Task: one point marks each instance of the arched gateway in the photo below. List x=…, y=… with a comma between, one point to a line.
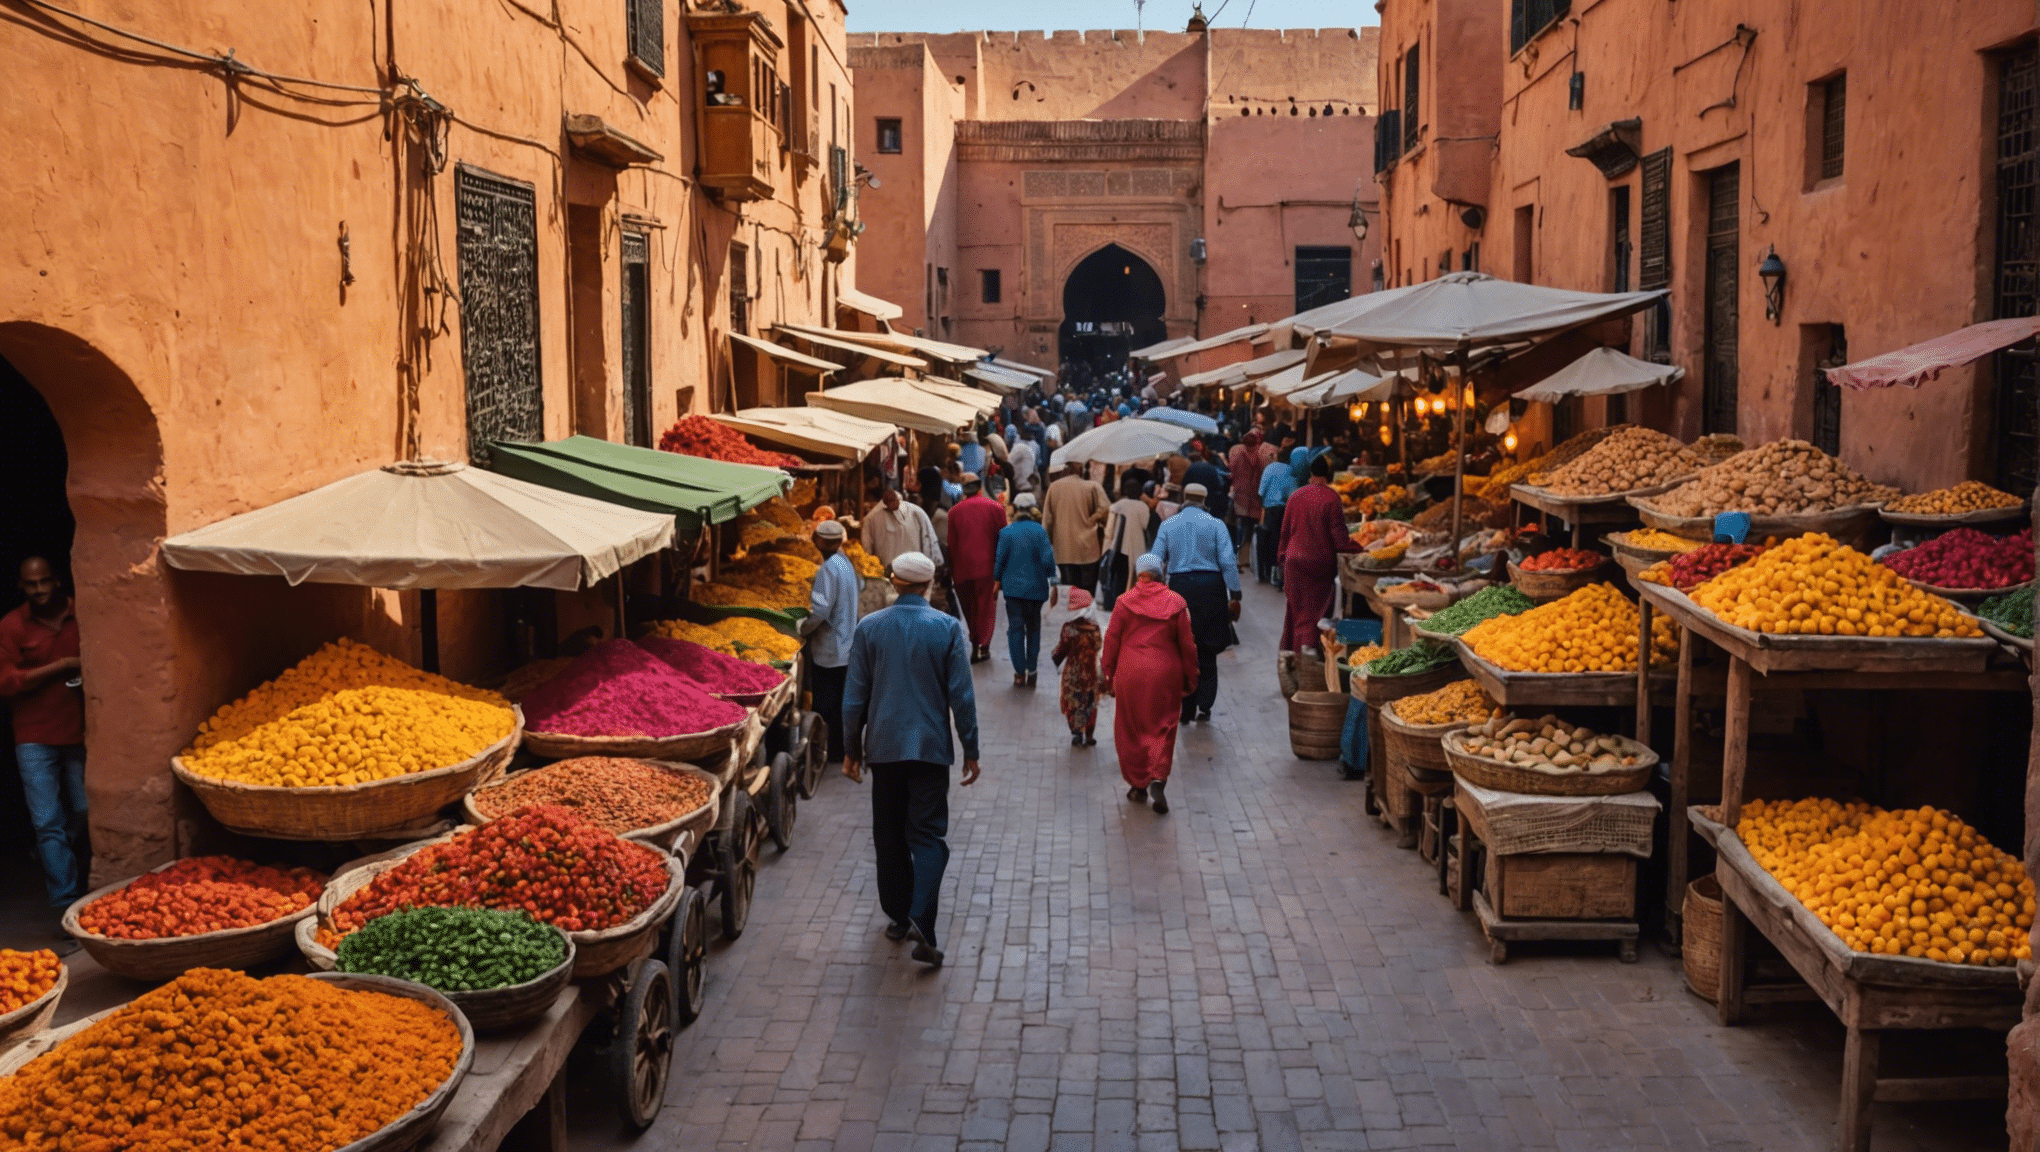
x=1113, y=302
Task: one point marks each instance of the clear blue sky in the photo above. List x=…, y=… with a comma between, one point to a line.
x=1159, y=15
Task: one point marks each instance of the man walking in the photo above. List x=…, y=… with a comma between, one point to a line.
x=896, y=526
x=1074, y=513
x=39, y=676
x=1197, y=555
x=1021, y=457
x=1246, y=462
x=974, y=527
x=909, y=674
x=1024, y=569
x=830, y=624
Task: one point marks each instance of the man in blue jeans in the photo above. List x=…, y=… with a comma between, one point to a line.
x=909, y=673
x=39, y=677
x=1023, y=568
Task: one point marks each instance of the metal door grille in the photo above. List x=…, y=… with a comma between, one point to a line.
x=498, y=253
x=637, y=340
x=1654, y=251
x=1529, y=17
x=1834, y=114
x=646, y=21
x=2017, y=287
x=1618, y=238
x=1827, y=397
x=1409, y=103
x=1724, y=186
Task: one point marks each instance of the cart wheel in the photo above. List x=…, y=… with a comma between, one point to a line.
x=782, y=801
x=685, y=950
x=739, y=849
x=1498, y=952
x=814, y=754
x=642, y=1052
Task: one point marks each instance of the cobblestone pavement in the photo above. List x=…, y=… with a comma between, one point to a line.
x=1260, y=969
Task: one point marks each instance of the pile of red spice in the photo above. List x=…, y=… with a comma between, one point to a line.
x=714, y=440
x=201, y=894
x=614, y=793
x=1689, y=570
x=1562, y=560
x=545, y=861
x=1966, y=558
x=620, y=689
x=715, y=672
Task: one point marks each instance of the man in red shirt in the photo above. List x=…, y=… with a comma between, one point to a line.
x=974, y=526
x=39, y=678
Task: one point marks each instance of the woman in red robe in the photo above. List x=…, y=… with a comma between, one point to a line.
x=1313, y=535
x=1149, y=665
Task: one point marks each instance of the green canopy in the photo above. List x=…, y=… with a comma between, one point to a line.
x=694, y=490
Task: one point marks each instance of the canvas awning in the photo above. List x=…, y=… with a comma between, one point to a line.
x=1472, y=310
x=838, y=342
x=822, y=431
x=909, y=344
x=1197, y=422
x=915, y=404
x=1161, y=351
x=1122, y=442
x=785, y=355
x=693, y=490
x=1347, y=387
x=1249, y=332
x=1234, y=375
x=428, y=524
x=868, y=304
x=999, y=379
x=1602, y=372
x=1915, y=365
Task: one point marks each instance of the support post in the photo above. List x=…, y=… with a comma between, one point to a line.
x=1735, y=741
x=428, y=629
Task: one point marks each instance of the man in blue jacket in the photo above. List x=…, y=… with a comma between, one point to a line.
x=1023, y=568
x=909, y=674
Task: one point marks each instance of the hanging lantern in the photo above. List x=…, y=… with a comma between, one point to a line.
x=1509, y=441
x=1387, y=436
x=1355, y=412
x=1469, y=395
x=1421, y=404
x=1365, y=407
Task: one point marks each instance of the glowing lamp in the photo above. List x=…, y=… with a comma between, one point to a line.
x=1509, y=441
x=1387, y=437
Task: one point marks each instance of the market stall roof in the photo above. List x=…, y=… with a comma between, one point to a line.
x=999, y=379
x=1314, y=320
x=985, y=403
x=1197, y=422
x=1021, y=366
x=1602, y=372
x=428, y=524
x=1345, y=387
x=1249, y=332
x=906, y=403
x=786, y=355
x=1278, y=385
x=691, y=489
x=1163, y=350
x=819, y=430
x=1123, y=442
x=1468, y=310
x=910, y=344
x=1922, y=362
x=870, y=305
x=1233, y=375
x=836, y=341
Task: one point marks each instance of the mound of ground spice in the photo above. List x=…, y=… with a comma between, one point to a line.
x=619, y=689
x=613, y=793
x=715, y=672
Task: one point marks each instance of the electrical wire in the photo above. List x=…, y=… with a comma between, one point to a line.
x=229, y=65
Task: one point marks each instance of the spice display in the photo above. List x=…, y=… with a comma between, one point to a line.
x=615, y=794
x=1473, y=510
x=1550, y=745
x=545, y=861
x=26, y=976
x=1422, y=656
x=868, y=566
x=1718, y=446
x=1497, y=487
x=454, y=949
x=619, y=689
x=715, y=671
x=1692, y=569
x=740, y=636
x=2011, y=611
x=1486, y=604
x=760, y=580
x=1966, y=558
x=714, y=440
x=201, y=894
x=1631, y=457
x=1387, y=554
x=692, y=633
x=1460, y=702
x=1652, y=540
x=1592, y=630
x=1357, y=656
x=798, y=546
x=1393, y=496
x=219, y=1059
x=1813, y=585
x=1562, y=560
x=1916, y=882
x=1784, y=477
x=1968, y=496
x=1381, y=533
x=347, y=714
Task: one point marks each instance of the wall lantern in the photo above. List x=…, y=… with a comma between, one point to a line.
x=1197, y=250
x=1509, y=441
x=1772, y=272
x=1357, y=221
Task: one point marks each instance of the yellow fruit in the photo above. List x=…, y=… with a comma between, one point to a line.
x=1814, y=585
x=1592, y=630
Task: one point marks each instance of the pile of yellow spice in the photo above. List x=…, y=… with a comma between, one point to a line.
x=868, y=566
x=739, y=636
x=761, y=580
x=347, y=714
x=1592, y=630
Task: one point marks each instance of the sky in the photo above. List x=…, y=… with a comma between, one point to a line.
x=1159, y=15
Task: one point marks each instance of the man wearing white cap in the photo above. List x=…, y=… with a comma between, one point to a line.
x=909, y=674
x=830, y=624
x=1197, y=554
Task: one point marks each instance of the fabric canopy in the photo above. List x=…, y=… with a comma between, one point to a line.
x=818, y=430
x=1922, y=362
x=1001, y=379
x=1468, y=310
x=691, y=489
x=1163, y=350
x=870, y=305
x=918, y=345
x=905, y=403
x=1602, y=372
x=1233, y=375
x=1347, y=387
x=1195, y=421
x=1249, y=332
x=838, y=342
x=1122, y=442
x=428, y=524
x=786, y=355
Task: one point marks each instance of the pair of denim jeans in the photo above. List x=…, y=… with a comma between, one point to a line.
x=53, y=780
x=1023, y=633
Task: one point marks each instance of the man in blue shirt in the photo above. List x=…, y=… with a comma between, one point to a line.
x=1278, y=483
x=1023, y=568
x=1198, y=557
x=909, y=673
x=831, y=622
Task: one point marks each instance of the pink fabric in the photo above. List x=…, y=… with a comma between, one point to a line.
x=1923, y=361
x=1246, y=462
x=974, y=525
x=1150, y=662
x=1313, y=535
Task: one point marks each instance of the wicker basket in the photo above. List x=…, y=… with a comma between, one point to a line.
x=1547, y=586
x=1850, y=525
x=1418, y=747
x=172, y=956
x=1316, y=722
x=1529, y=782
x=662, y=836
x=1942, y=520
x=1700, y=936
x=33, y=1016
x=347, y=811
x=693, y=746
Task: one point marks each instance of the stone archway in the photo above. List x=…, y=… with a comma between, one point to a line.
x=1112, y=302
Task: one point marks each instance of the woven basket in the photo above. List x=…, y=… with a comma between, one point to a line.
x=1547, y=586
x=347, y=811
x=1931, y=520
x=1850, y=525
x=1529, y=782
x=1316, y=722
x=758, y=699
x=1700, y=936
x=33, y=1016
x=1378, y=690
x=1418, y=747
x=172, y=956
x=661, y=836
x=693, y=746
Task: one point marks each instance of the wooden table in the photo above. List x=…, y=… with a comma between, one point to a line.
x=513, y=1073
x=1576, y=513
x=1560, y=689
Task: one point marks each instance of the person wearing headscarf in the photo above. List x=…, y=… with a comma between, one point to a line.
x=1150, y=666
x=1076, y=653
x=1313, y=535
x=1023, y=568
x=1277, y=482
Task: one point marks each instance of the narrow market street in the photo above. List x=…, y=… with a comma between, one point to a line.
x=1260, y=969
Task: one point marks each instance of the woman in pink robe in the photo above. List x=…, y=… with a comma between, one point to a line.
x=1149, y=665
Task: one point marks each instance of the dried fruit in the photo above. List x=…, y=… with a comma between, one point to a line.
x=201, y=894
x=1592, y=630
x=1966, y=558
x=714, y=440
x=1814, y=585
x=1460, y=702
x=1968, y=496
x=1562, y=560
x=1784, y=477
x=25, y=976
x=1631, y=457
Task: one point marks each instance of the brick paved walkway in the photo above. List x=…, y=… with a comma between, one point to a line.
x=1260, y=969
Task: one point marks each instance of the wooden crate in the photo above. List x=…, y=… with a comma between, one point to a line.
x=1563, y=886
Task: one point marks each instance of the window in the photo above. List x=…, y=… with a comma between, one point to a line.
x=645, y=37
x=1834, y=112
x=1526, y=227
x=1529, y=17
x=1829, y=345
x=497, y=249
x=1445, y=262
x=1409, y=103
x=2016, y=276
x=988, y=285
x=888, y=135
x=637, y=340
x=1618, y=239
x=1323, y=275
x=1723, y=287
x=1654, y=242
x=740, y=289
x=1387, y=139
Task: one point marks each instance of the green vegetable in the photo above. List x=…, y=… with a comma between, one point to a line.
x=1422, y=656
x=2011, y=611
x=454, y=949
x=1486, y=604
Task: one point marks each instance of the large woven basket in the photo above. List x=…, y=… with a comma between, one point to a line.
x=172, y=956
x=1850, y=525
x=34, y=1016
x=1700, y=936
x=1547, y=586
x=692, y=746
x=348, y=811
x=1316, y=722
x=1528, y=782
x=662, y=836
x=1418, y=747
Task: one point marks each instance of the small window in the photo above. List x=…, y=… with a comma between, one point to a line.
x=888, y=135
x=1619, y=246
x=988, y=285
x=1829, y=104
x=645, y=25
x=1323, y=275
x=740, y=288
x=1529, y=17
x=1410, y=105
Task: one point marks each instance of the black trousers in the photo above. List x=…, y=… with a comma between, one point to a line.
x=1112, y=582
x=1207, y=682
x=1265, y=548
x=827, y=686
x=1083, y=576
x=909, y=826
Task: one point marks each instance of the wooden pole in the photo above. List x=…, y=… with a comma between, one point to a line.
x=1459, y=460
x=428, y=629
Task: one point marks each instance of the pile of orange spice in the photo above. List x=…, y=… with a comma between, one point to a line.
x=201, y=894
x=218, y=1059
x=25, y=976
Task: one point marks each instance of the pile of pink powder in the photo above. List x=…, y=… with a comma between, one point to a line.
x=713, y=671
x=619, y=689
